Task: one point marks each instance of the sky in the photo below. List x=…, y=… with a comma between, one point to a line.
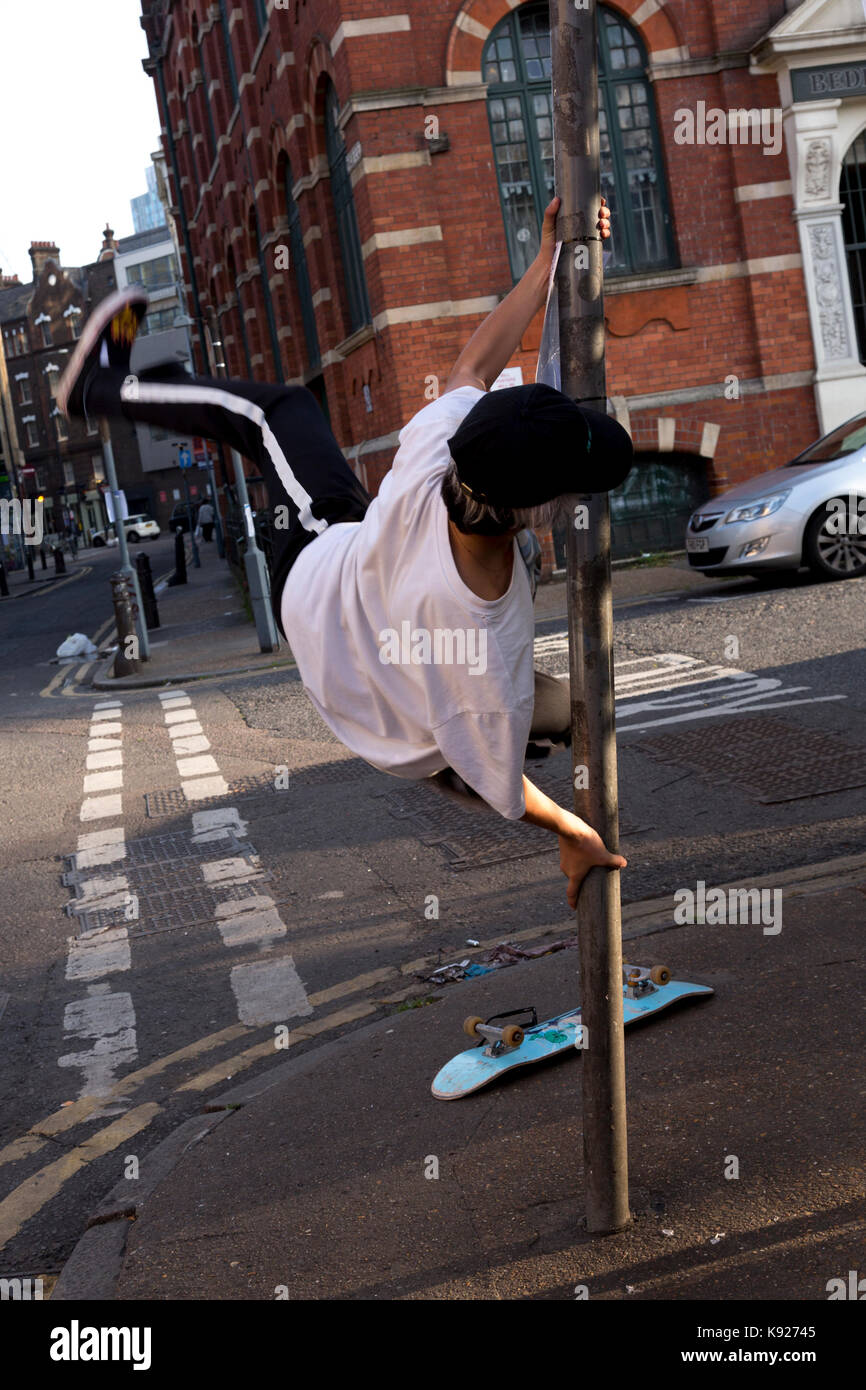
x=79, y=121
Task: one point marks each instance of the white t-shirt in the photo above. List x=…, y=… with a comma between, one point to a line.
x=408, y=667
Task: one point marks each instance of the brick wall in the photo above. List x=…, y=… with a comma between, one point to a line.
x=731, y=338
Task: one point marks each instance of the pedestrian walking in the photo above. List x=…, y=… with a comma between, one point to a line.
x=409, y=614
x=206, y=520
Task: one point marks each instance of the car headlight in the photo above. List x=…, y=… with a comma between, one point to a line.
x=760, y=507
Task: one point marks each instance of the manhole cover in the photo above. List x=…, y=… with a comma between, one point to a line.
x=773, y=760
x=473, y=839
x=160, y=850
x=172, y=892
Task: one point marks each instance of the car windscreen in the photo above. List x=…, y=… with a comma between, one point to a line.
x=847, y=439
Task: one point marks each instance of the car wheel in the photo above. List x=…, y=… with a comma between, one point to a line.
x=97, y=540
x=833, y=547
x=132, y=536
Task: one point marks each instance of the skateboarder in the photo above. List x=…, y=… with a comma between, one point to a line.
x=410, y=614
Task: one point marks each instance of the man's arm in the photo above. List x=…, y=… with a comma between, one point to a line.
x=580, y=847
x=495, y=342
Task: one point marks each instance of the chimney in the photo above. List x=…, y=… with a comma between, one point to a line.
x=110, y=247
x=6, y=280
x=40, y=252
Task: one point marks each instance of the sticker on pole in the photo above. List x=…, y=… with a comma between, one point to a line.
x=547, y=370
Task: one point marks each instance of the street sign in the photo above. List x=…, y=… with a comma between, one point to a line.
x=184, y=458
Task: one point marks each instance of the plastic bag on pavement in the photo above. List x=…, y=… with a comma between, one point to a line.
x=77, y=645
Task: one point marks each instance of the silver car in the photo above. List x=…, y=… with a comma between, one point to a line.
x=810, y=512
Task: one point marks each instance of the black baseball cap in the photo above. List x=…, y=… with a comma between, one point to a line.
x=525, y=445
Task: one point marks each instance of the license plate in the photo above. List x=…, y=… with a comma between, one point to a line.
x=694, y=543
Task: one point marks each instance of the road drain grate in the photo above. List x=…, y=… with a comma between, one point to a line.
x=474, y=839
x=773, y=760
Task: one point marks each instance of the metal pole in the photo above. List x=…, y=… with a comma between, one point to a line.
x=574, y=47
x=126, y=567
x=196, y=559
x=254, y=563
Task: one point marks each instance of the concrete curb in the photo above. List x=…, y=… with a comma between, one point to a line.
x=94, y=1267
x=101, y=682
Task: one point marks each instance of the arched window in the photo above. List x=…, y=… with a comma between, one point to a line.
x=852, y=193
x=230, y=57
x=298, y=261
x=515, y=65
x=261, y=10
x=196, y=41
x=346, y=217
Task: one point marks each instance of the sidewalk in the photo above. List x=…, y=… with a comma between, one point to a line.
x=205, y=630
x=339, y=1176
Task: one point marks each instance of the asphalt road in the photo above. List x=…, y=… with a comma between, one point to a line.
x=739, y=717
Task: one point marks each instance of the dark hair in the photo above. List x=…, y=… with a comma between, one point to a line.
x=476, y=518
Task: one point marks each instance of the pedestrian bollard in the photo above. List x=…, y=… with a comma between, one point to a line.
x=145, y=584
x=59, y=562
x=179, y=576
x=42, y=557
x=28, y=556
x=4, y=583
x=126, y=661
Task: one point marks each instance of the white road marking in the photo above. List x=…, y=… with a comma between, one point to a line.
x=100, y=807
x=99, y=745
x=103, y=730
x=219, y=824
x=176, y=702
x=109, y=1019
x=184, y=730
x=250, y=922
x=196, y=767
x=269, y=991
x=233, y=870
x=107, y=704
x=113, y=757
x=196, y=743
x=178, y=716
x=98, y=953
x=205, y=787
x=100, y=715
x=97, y=847
x=103, y=781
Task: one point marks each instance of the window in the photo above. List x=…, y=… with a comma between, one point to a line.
x=24, y=395
x=68, y=474
x=60, y=428
x=31, y=434
x=73, y=319
x=204, y=82
x=44, y=324
x=230, y=58
x=158, y=274
x=52, y=373
x=16, y=341
x=346, y=217
x=516, y=65
x=298, y=261
x=261, y=14
x=97, y=468
x=852, y=194
x=158, y=321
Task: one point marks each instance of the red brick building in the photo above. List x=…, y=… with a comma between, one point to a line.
x=356, y=183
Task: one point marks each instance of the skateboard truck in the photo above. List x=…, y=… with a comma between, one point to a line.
x=500, y=1040
x=639, y=981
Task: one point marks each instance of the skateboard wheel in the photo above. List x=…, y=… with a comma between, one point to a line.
x=660, y=975
x=512, y=1035
x=471, y=1024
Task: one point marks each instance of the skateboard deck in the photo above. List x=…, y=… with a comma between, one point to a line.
x=515, y=1046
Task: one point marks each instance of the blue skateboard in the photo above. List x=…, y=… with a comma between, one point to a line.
x=502, y=1045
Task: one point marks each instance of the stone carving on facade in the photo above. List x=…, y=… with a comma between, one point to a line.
x=817, y=162
x=828, y=290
